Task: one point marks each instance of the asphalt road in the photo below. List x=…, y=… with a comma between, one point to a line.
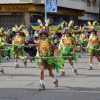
x=23, y=83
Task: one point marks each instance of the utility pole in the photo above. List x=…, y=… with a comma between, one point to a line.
x=99, y=11
x=90, y=9
x=45, y=11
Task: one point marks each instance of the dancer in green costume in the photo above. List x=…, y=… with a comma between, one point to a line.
x=67, y=48
x=93, y=48
x=18, y=48
x=47, y=57
x=2, y=46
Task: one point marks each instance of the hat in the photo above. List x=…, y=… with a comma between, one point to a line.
x=43, y=31
x=18, y=31
x=92, y=30
x=65, y=30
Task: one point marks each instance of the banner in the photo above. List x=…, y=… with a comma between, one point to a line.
x=51, y=5
x=17, y=8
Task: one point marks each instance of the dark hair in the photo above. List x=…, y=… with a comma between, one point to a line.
x=70, y=34
x=44, y=33
x=95, y=32
x=22, y=34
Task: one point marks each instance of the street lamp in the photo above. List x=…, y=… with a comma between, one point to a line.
x=45, y=11
x=99, y=11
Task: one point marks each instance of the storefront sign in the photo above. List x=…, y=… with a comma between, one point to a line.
x=40, y=9
x=16, y=1
x=17, y=8
x=51, y=5
x=37, y=8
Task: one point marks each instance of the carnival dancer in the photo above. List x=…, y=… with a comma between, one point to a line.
x=18, y=47
x=76, y=38
x=83, y=40
x=3, y=41
x=22, y=34
x=1, y=51
x=67, y=48
x=45, y=50
x=75, y=35
x=93, y=48
x=31, y=52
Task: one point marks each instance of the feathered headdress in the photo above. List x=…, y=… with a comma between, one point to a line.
x=95, y=23
x=77, y=29
x=40, y=22
x=15, y=28
x=45, y=29
x=71, y=24
x=21, y=26
x=1, y=34
x=64, y=24
x=96, y=26
x=88, y=26
x=89, y=23
x=47, y=23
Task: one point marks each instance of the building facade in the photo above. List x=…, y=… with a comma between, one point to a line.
x=28, y=11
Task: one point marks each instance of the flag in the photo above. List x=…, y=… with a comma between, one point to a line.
x=60, y=29
x=77, y=29
x=6, y=32
x=14, y=29
x=35, y=26
x=25, y=30
x=97, y=28
x=54, y=26
x=87, y=28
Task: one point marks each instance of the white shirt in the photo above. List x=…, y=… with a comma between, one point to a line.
x=28, y=36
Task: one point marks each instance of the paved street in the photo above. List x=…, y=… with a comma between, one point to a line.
x=23, y=83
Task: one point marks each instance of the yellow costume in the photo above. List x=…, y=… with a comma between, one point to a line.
x=93, y=43
x=93, y=40
x=45, y=48
x=83, y=40
x=66, y=47
x=17, y=42
x=65, y=42
x=2, y=40
x=82, y=36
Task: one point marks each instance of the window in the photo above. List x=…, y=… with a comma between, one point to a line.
x=56, y=19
